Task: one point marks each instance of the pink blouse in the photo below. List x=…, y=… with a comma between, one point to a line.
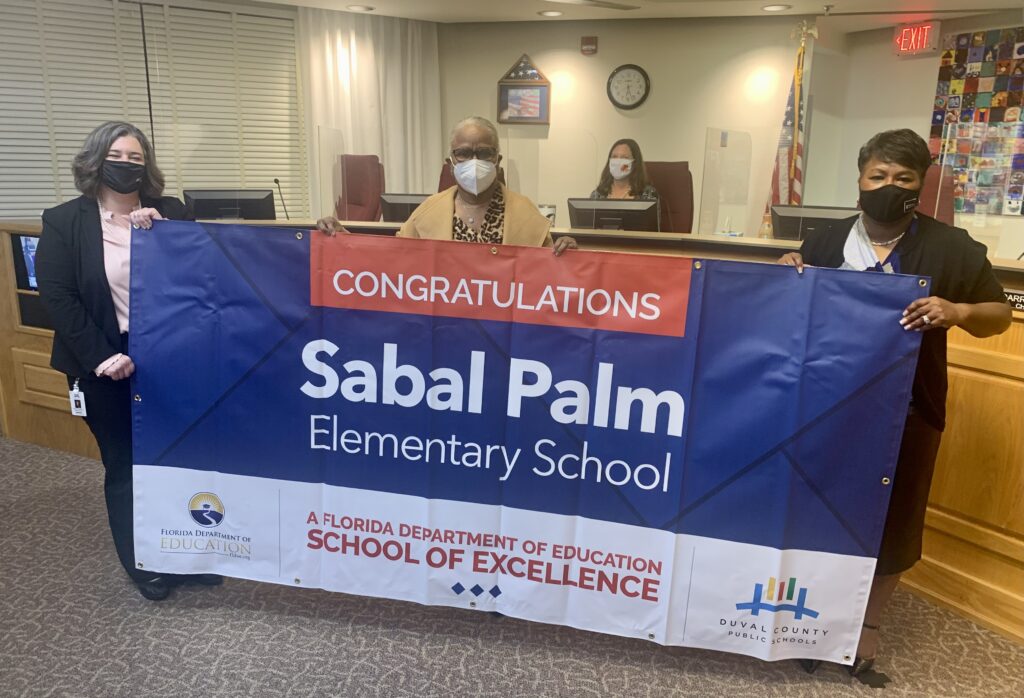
x=117, y=255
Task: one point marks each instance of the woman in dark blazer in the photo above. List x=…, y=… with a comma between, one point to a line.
x=82, y=267
x=890, y=236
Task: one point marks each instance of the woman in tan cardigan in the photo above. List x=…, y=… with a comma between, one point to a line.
x=480, y=208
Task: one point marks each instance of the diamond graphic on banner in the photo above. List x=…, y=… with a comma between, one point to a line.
x=458, y=588
x=477, y=590
x=495, y=591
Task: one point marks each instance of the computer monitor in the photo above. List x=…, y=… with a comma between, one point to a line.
x=797, y=222
x=615, y=214
x=396, y=208
x=245, y=204
x=25, y=261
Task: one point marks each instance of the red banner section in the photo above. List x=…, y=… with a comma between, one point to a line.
x=594, y=290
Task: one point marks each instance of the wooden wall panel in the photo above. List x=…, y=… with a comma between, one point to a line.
x=33, y=397
x=973, y=559
x=985, y=431
x=36, y=383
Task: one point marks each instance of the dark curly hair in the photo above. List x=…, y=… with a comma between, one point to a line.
x=88, y=163
x=901, y=147
x=637, y=178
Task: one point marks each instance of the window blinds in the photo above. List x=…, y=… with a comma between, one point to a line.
x=226, y=108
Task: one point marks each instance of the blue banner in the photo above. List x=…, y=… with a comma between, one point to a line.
x=296, y=393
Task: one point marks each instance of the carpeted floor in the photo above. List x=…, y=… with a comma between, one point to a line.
x=70, y=625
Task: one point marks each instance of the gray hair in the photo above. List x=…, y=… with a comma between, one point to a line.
x=88, y=164
x=482, y=124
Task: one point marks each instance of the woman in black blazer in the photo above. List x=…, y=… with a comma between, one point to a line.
x=890, y=236
x=82, y=268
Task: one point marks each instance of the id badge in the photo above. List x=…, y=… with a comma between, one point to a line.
x=77, y=400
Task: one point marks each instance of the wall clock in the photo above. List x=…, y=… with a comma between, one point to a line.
x=628, y=86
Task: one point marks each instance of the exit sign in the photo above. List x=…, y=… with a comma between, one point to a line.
x=912, y=39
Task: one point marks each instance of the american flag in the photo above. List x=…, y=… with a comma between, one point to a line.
x=788, y=177
x=524, y=102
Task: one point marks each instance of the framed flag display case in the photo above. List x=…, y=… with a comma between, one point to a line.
x=524, y=95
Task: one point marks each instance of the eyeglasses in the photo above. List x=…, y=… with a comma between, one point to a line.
x=463, y=154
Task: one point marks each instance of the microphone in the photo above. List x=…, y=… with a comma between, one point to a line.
x=278, y=183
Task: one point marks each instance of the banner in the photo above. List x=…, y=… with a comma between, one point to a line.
x=694, y=452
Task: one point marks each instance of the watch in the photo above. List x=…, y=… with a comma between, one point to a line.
x=628, y=86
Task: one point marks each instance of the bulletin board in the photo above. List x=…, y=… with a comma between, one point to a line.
x=976, y=123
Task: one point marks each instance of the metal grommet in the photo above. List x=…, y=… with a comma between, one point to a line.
x=650, y=636
x=472, y=604
x=139, y=564
x=886, y=481
x=697, y=264
x=847, y=658
x=298, y=235
x=298, y=581
x=494, y=250
x=922, y=282
x=138, y=398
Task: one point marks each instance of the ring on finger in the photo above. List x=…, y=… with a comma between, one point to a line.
x=927, y=320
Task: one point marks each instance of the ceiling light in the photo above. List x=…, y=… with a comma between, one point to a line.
x=361, y=8
x=550, y=13
x=776, y=8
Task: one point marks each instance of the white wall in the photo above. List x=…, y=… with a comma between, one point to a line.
x=826, y=95
x=701, y=74
x=881, y=92
x=858, y=88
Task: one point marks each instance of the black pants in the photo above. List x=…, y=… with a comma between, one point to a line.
x=108, y=406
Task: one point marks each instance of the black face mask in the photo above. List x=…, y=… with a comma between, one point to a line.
x=122, y=176
x=890, y=203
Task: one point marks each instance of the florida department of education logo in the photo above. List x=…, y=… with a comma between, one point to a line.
x=206, y=509
x=781, y=592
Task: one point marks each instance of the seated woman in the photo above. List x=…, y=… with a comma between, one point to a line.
x=625, y=177
x=479, y=208
x=889, y=236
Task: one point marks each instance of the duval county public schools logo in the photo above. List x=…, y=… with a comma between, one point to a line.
x=781, y=592
x=206, y=509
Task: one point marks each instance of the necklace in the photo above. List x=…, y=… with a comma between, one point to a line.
x=473, y=210
x=888, y=242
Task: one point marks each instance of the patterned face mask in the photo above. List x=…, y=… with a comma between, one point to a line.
x=620, y=168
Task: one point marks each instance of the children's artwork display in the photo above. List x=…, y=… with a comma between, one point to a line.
x=976, y=128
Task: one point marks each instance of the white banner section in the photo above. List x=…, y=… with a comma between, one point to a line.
x=593, y=575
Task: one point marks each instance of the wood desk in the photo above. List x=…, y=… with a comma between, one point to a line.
x=33, y=397
x=974, y=540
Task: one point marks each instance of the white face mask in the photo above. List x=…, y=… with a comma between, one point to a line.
x=620, y=168
x=475, y=175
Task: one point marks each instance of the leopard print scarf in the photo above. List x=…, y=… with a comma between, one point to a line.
x=492, y=228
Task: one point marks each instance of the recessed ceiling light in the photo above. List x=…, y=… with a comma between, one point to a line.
x=550, y=13
x=361, y=8
x=776, y=8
